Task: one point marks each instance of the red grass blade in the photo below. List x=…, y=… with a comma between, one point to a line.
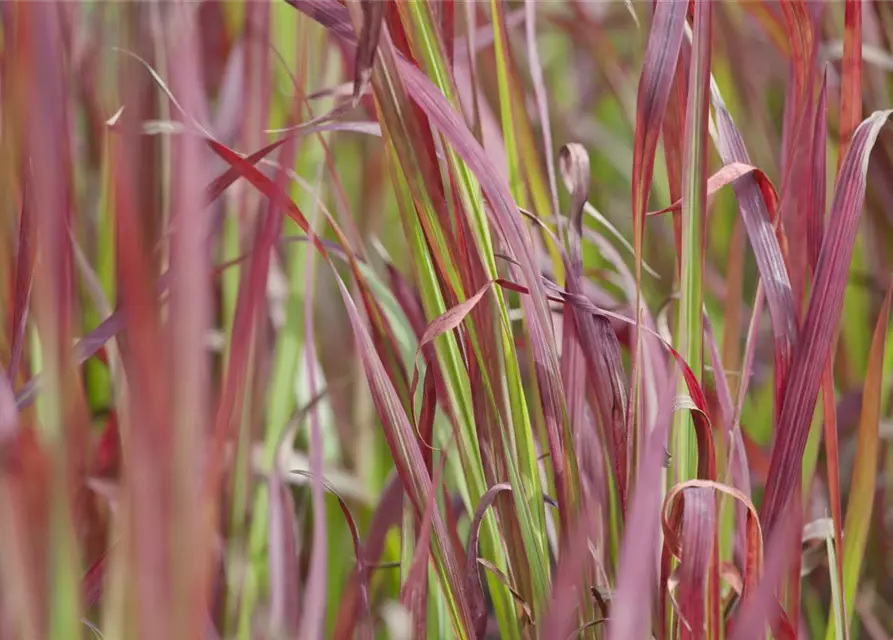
x=636, y=569
x=759, y=224
x=658, y=69
x=24, y=274
x=850, y=77
x=283, y=559
x=820, y=323
x=698, y=541
x=598, y=345
x=373, y=20
x=674, y=140
x=727, y=175
x=796, y=144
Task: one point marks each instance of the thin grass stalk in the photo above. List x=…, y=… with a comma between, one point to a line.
x=694, y=211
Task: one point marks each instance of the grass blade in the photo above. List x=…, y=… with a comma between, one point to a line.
x=822, y=315
x=851, y=77
x=690, y=329
x=865, y=467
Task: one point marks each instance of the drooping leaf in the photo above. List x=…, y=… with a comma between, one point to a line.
x=473, y=584
x=727, y=175
x=762, y=233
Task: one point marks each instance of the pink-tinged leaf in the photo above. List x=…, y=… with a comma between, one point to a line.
x=658, y=69
x=761, y=231
x=793, y=579
x=606, y=380
x=832, y=457
x=250, y=299
x=728, y=175
x=285, y=573
x=502, y=211
x=737, y=457
x=801, y=33
x=473, y=585
x=636, y=568
x=699, y=410
x=796, y=143
x=850, y=77
x=591, y=338
x=573, y=557
x=759, y=605
x=820, y=323
x=865, y=466
x=317, y=125
x=449, y=320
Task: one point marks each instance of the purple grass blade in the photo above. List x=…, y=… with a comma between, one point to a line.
x=637, y=571
x=820, y=323
x=767, y=251
x=283, y=559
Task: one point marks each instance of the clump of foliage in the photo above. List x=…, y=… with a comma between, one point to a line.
x=415, y=318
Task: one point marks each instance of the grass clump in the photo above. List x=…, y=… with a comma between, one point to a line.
x=437, y=319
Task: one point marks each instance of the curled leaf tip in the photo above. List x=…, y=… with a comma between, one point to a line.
x=573, y=162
